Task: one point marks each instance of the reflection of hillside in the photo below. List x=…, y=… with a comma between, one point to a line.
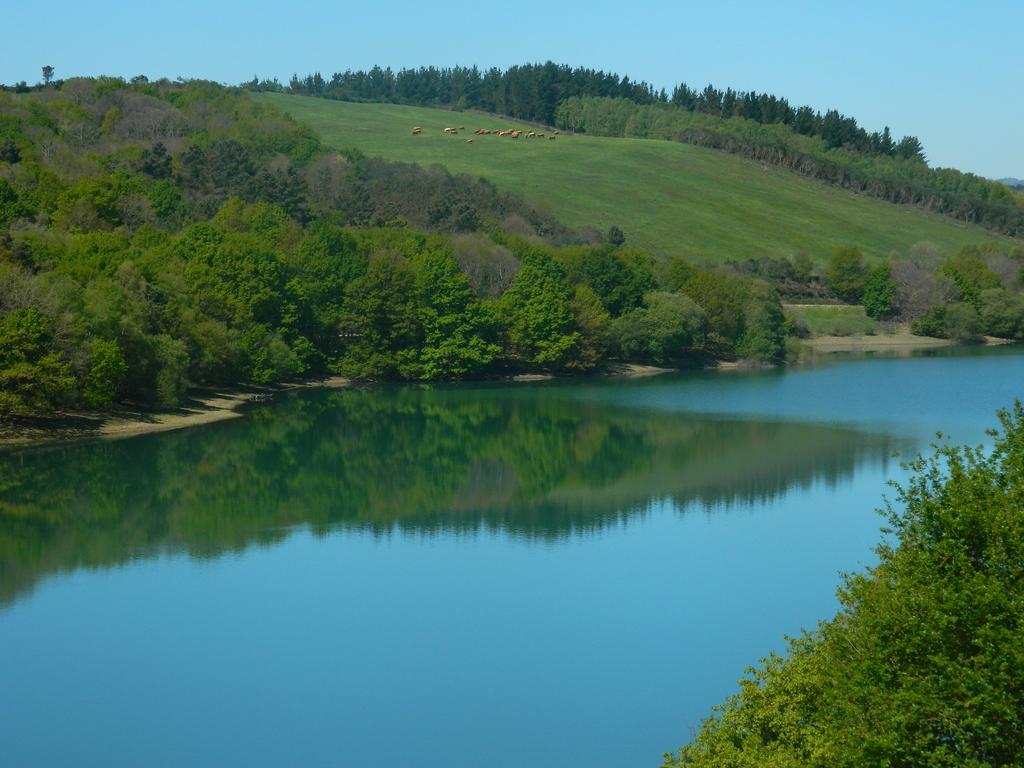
x=419, y=460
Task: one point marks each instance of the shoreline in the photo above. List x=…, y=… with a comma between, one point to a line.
x=202, y=407
x=209, y=406
x=205, y=406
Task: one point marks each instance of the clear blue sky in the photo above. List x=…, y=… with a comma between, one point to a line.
x=951, y=73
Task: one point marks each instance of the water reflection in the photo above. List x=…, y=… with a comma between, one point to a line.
x=418, y=460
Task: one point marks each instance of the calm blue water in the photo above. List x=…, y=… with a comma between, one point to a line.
x=501, y=575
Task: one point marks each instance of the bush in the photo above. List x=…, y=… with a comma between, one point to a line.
x=924, y=663
x=846, y=274
x=661, y=332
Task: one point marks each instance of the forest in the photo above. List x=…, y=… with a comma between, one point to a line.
x=156, y=236
x=828, y=145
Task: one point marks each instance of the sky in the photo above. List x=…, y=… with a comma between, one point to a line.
x=950, y=73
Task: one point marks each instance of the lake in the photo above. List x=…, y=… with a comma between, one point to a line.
x=544, y=574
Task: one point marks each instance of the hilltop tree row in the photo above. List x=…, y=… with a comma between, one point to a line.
x=899, y=177
x=534, y=92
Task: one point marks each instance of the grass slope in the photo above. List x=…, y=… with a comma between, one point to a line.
x=669, y=198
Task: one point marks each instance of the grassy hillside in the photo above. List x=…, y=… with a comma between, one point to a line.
x=669, y=198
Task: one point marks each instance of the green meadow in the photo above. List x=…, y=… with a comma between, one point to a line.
x=669, y=198
x=834, y=319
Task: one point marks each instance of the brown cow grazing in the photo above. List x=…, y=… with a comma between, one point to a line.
x=555, y=132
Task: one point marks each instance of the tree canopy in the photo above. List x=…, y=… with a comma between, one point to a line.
x=924, y=663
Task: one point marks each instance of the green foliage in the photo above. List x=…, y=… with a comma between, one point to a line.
x=959, y=321
x=846, y=274
x=240, y=251
x=619, y=287
x=452, y=325
x=962, y=322
x=592, y=322
x=932, y=323
x=1002, y=313
x=924, y=663
x=170, y=362
x=537, y=310
x=879, y=292
x=971, y=275
x=107, y=369
x=662, y=332
x=676, y=273
x=32, y=375
x=380, y=321
x=722, y=295
x=764, y=337
x=11, y=206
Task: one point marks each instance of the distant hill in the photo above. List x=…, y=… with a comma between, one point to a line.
x=669, y=198
x=1012, y=182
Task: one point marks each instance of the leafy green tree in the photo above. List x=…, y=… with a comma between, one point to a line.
x=846, y=274
x=107, y=369
x=676, y=274
x=803, y=268
x=451, y=322
x=764, y=333
x=879, y=297
x=618, y=287
x=11, y=206
x=663, y=332
x=171, y=379
x=962, y=322
x=931, y=323
x=971, y=275
x=1002, y=313
x=539, y=328
x=592, y=320
x=722, y=295
x=379, y=324
x=155, y=162
x=922, y=666
x=32, y=376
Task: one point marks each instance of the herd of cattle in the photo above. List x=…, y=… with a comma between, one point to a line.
x=515, y=134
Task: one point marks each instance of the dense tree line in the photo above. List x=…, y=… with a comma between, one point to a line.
x=157, y=236
x=527, y=92
x=977, y=291
x=897, y=177
x=923, y=663
x=835, y=129
x=534, y=92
